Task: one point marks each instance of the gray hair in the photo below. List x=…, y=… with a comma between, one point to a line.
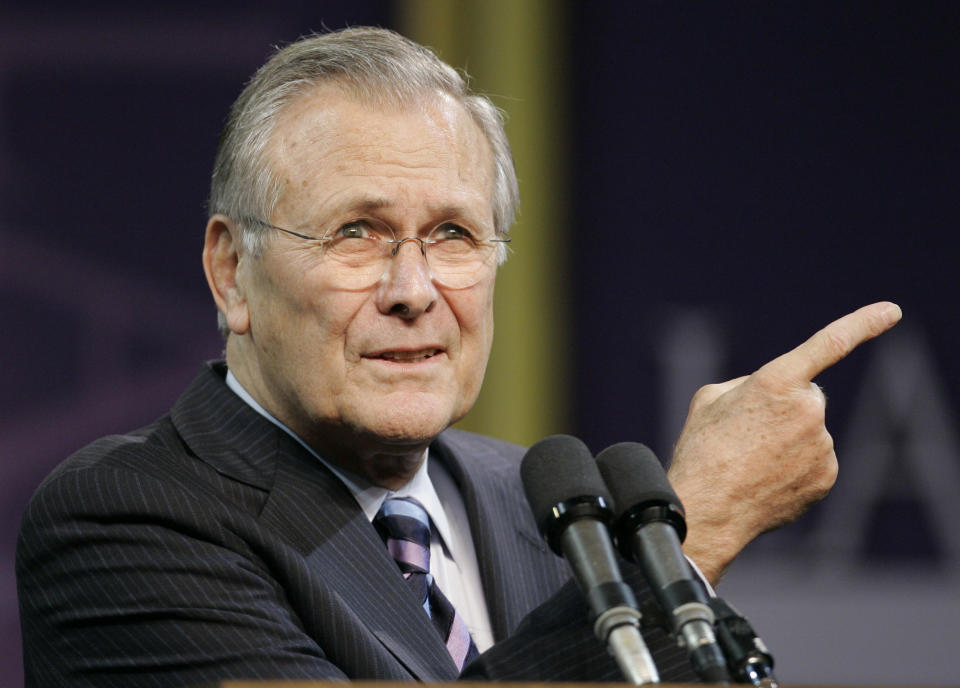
x=376, y=65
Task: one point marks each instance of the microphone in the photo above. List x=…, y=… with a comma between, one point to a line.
x=571, y=507
x=648, y=529
x=747, y=656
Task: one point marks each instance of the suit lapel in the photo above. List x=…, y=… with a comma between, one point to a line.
x=342, y=548
x=517, y=569
x=309, y=506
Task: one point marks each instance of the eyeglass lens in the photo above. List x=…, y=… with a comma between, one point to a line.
x=454, y=262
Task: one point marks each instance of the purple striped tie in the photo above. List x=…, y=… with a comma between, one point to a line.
x=405, y=528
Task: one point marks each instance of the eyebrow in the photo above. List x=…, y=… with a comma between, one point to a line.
x=351, y=207
x=366, y=205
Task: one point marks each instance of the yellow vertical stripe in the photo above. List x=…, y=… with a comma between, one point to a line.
x=514, y=53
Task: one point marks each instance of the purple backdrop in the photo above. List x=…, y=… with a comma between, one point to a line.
x=109, y=119
x=743, y=172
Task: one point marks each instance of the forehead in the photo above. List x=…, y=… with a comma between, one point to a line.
x=329, y=147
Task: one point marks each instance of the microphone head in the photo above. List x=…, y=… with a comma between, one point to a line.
x=641, y=491
x=562, y=484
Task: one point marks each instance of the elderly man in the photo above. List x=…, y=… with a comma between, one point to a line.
x=360, y=204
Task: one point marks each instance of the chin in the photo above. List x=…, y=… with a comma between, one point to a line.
x=410, y=421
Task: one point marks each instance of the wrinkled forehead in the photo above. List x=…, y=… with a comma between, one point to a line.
x=335, y=127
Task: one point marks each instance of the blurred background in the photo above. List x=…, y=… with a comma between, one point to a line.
x=704, y=186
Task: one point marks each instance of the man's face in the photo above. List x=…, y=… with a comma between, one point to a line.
x=389, y=367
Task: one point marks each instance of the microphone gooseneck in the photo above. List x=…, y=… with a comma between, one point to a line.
x=747, y=656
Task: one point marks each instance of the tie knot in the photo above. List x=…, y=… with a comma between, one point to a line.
x=404, y=525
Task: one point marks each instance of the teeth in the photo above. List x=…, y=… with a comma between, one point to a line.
x=408, y=356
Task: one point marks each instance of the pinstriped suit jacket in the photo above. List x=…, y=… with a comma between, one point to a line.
x=210, y=545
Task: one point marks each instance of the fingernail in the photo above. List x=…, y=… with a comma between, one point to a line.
x=892, y=313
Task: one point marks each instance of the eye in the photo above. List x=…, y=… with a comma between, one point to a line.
x=448, y=231
x=354, y=230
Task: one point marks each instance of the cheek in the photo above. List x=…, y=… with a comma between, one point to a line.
x=298, y=310
x=478, y=344
x=335, y=313
x=473, y=310
x=486, y=317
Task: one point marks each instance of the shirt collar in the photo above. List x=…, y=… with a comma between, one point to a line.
x=370, y=497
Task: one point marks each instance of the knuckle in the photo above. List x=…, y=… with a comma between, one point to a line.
x=769, y=381
x=704, y=395
x=828, y=478
x=814, y=402
x=876, y=324
x=763, y=381
x=837, y=342
x=828, y=467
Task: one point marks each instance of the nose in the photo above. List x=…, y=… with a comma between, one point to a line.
x=406, y=288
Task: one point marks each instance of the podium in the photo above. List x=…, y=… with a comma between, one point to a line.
x=413, y=684
x=458, y=684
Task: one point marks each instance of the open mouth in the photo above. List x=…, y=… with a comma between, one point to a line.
x=408, y=356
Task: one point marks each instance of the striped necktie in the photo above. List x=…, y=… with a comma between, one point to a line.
x=405, y=528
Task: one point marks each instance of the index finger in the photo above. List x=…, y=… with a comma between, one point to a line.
x=834, y=342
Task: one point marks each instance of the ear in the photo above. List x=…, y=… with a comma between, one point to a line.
x=221, y=260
